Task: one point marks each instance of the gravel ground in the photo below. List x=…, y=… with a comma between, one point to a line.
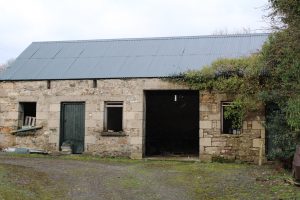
x=126, y=179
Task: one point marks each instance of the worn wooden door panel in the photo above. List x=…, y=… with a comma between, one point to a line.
x=72, y=120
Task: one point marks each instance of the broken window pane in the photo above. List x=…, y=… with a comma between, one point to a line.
x=27, y=114
x=113, y=116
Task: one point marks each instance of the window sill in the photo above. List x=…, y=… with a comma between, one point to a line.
x=113, y=134
x=26, y=131
x=230, y=135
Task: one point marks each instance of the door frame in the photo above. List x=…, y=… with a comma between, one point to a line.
x=61, y=129
x=145, y=91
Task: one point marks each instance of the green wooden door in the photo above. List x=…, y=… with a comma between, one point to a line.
x=72, y=121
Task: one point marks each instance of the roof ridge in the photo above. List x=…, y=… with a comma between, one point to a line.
x=158, y=38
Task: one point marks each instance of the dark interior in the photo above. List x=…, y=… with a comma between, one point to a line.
x=114, y=118
x=227, y=123
x=29, y=109
x=172, y=123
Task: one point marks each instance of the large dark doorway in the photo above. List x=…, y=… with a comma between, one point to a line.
x=172, y=123
x=72, y=125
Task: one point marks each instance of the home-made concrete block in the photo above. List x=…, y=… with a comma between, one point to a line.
x=201, y=135
x=42, y=115
x=205, y=124
x=205, y=158
x=53, y=138
x=90, y=123
x=53, y=123
x=257, y=143
x=136, y=140
x=90, y=139
x=257, y=125
x=134, y=123
x=212, y=150
x=136, y=155
x=214, y=108
x=263, y=133
x=134, y=115
x=218, y=144
x=204, y=107
x=205, y=142
x=54, y=108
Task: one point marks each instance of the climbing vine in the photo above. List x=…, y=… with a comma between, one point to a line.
x=271, y=76
x=241, y=78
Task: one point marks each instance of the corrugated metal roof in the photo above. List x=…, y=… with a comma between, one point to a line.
x=128, y=58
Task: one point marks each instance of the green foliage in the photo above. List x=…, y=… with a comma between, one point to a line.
x=273, y=75
x=293, y=112
x=235, y=112
x=240, y=78
x=282, y=137
x=287, y=11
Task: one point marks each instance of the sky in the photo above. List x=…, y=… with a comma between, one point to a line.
x=26, y=21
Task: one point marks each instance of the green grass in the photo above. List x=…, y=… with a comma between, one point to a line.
x=21, y=183
x=77, y=157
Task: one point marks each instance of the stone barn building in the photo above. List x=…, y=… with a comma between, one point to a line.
x=108, y=97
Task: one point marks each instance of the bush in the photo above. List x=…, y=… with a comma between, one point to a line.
x=283, y=138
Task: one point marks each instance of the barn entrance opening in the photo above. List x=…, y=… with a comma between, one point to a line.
x=172, y=123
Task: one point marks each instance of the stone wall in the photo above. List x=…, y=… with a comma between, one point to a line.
x=213, y=143
x=131, y=92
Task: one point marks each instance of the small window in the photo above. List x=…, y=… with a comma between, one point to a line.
x=48, y=84
x=228, y=123
x=27, y=114
x=113, y=116
x=94, y=83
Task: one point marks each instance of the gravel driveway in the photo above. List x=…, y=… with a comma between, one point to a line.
x=96, y=180
x=126, y=179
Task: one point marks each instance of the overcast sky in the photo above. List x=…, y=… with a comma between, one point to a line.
x=25, y=21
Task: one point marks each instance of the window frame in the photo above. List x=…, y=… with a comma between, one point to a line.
x=95, y=83
x=112, y=104
x=234, y=131
x=21, y=113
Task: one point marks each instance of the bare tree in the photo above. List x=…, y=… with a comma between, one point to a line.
x=244, y=30
x=6, y=64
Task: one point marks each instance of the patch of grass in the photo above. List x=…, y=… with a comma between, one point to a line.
x=130, y=182
x=78, y=157
x=21, y=183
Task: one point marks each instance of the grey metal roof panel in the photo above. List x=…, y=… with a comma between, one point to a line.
x=55, y=68
x=70, y=50
x=48, y=50
x=10, y=71
x=88, y=63
x=30, y=51
x=96, y=49
x=34, y=67
x=128, y=58
x=108, y=67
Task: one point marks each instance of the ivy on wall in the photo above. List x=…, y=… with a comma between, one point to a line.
x=239, y=78
x=271, y=76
